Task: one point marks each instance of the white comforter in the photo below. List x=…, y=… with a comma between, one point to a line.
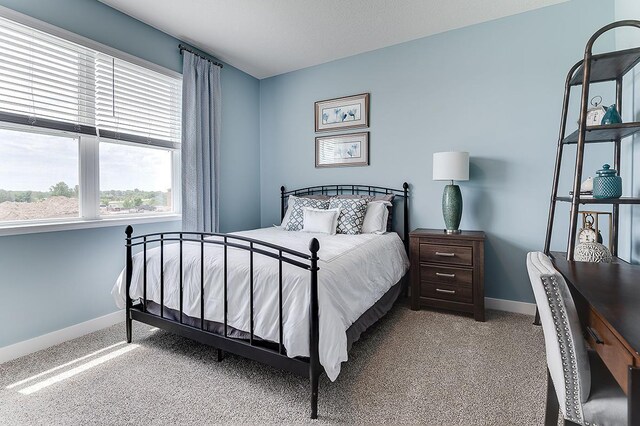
x=355, y=271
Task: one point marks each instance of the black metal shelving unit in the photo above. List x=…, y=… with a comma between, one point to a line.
x=612, y=67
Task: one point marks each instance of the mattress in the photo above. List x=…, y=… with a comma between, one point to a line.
x=355, y=272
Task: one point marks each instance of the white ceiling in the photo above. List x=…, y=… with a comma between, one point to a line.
x=270, y=37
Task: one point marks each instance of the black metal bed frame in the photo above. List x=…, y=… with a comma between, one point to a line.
x=353, y=190
x=250, y=348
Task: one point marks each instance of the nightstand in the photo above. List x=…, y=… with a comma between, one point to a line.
x=447, y=270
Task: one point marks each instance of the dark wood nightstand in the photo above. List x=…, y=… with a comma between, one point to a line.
x=447, y=270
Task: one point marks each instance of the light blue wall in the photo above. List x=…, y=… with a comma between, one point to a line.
x=53, y=280
x=493, y=89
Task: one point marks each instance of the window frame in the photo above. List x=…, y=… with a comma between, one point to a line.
x=89, y=190
x=176, y=182
x=88, y=146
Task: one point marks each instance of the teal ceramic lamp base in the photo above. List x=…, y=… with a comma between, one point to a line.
x=452, y=208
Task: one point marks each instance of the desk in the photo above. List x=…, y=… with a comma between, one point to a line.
x=607, y=297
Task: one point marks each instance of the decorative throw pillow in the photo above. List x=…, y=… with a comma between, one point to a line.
x=289, y=203
x=296, y=219
x=320, y=220
x=351, y=216
x=378, y=197
x=375, y=218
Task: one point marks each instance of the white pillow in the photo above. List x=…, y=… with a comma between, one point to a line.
x=375, y=218
x=322, y=221
x=315, y=201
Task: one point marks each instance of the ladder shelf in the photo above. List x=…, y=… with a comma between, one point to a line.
x=610, y=66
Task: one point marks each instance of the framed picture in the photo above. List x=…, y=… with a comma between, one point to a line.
x=342, y=113
x=342, y=150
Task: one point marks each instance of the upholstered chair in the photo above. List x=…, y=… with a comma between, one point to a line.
x=577, y=380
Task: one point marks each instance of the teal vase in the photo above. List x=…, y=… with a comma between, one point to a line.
x=452, y=208
x=611, y=116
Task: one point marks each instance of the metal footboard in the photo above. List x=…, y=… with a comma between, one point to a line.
x=251, y=348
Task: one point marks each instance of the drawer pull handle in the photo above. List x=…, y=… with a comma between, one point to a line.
x=438, y=253
x=440, y=274
x=440, y=290
x=595, y=336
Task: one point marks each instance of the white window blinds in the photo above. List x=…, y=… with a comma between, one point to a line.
x=47, y=81
x=137, y=104
x=44, y=80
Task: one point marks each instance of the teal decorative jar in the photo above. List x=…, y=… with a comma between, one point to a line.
x=607, y=184
x=611, y=116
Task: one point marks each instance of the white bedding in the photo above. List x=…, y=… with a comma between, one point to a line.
x=355, y=271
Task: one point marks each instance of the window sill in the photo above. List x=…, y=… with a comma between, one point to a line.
x=34, y=228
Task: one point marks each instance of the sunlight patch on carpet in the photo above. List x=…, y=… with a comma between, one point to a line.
x=77, y=370
x=51, y=370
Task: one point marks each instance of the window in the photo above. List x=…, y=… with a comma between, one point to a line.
x=84, y=135
x=38, y=176
x=134, y=180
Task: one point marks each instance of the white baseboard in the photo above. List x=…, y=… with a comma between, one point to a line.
x=510, y=306
x=26, y=347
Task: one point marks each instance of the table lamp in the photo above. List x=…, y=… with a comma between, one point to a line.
x=451, y=166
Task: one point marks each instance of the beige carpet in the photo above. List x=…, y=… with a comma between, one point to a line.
x=423, y=367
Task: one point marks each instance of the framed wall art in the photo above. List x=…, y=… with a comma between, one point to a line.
x=342, y=150
x=342, y=113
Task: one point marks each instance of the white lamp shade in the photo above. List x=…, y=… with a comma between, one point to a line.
x=451, y=166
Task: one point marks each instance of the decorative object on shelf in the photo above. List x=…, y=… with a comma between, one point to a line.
x=607, y=184
x=592, y=252
x=592, y=219
x=587, y=185
x=611, y=116
x=343, y=150
x=587, y=233
x=342, y=113
x=451, y=166
x=596, y=113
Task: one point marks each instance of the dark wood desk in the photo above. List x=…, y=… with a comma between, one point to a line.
x=607, y=297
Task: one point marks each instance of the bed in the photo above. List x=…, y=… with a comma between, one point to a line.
x=293, y=300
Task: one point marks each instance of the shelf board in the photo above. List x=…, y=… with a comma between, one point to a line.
x=591, y=200
x=607, y=133
x=562, y=255
x=608, y=66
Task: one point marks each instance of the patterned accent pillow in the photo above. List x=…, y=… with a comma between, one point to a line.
x=379, y=197
x=352, y=213
x=296, y=219
x=289, y=201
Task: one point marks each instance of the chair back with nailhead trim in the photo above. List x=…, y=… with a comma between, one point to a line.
x=566, y=350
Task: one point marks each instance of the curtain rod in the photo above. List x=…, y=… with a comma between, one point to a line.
x=183, y=47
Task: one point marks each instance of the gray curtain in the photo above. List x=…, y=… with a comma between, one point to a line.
x=201, y=98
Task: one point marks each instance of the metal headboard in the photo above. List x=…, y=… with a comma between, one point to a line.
x=354, y=190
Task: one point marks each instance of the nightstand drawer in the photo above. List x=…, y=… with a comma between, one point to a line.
x=452, y=255
x=457, y=293
x=446, y=275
